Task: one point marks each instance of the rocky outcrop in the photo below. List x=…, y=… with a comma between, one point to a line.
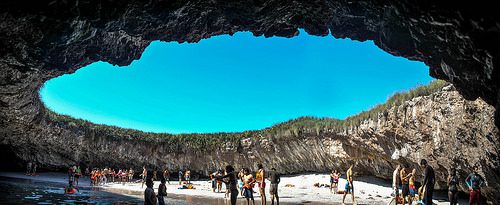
x=44, y=39
x=458, y=41
x=443, y=128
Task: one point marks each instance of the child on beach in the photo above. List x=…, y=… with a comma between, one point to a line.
x=248, y=185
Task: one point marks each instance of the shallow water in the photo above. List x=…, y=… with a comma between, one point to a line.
x=26, y=191
x=29, y=191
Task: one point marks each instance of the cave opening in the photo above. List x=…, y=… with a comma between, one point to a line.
x=234, y=83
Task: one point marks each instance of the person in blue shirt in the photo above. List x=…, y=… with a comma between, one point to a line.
x=474, y=182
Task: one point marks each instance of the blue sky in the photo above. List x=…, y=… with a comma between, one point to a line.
x=234, y=83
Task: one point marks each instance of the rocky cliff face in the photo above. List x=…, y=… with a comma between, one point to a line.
x=443, y=128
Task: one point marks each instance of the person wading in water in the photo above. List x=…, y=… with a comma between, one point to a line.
x=232, y=179
x=349, y=186
x=260, y=176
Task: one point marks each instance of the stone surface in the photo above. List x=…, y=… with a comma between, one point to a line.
x=44, y=39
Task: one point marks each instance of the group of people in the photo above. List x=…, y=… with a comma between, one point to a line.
x=406, y=179
x=31, y=168
x=243, y=182
x=103, y=176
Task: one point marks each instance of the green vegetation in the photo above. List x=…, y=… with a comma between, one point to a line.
x=338, y=125
x=289, y=128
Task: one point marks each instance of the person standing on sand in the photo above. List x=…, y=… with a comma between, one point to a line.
x=453, y=186
x=180, y=177
x=187, y=176
x=275, y=179
x=143, y=175
x=395, y=182
x=405, y=187
x=154, y=174
x=349, y=186
x=334, y=181
x=240, y=177
x=474, y=182
x=162, y=192
x=166, y=175
x=130, y=175
x=248, y=184
x=428, y=183
x=219, y=182
x=149, y=193
x=261, y=180
x=232, y=179
x=411, y=185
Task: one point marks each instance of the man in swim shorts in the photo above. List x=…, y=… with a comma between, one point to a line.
x=260, y=176
x=274, y=178
x=248, y=183
x=349, y=186
x=474, y=182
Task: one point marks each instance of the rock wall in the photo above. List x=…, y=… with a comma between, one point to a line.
x=443, y=128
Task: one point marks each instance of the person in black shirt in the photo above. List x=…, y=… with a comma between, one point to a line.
x=232, y=178
x=428, y=183
x=453, y=187
x=274, y=178
x=149, y=193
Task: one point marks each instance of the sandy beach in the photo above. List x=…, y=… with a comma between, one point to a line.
x=298, y=189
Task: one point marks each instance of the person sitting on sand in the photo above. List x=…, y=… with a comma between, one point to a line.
x=149, y=193
x=231, y=178
x=248, y=184
x=349, y=186
x=261, y=180
x=275, y=179
x=162, y=192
